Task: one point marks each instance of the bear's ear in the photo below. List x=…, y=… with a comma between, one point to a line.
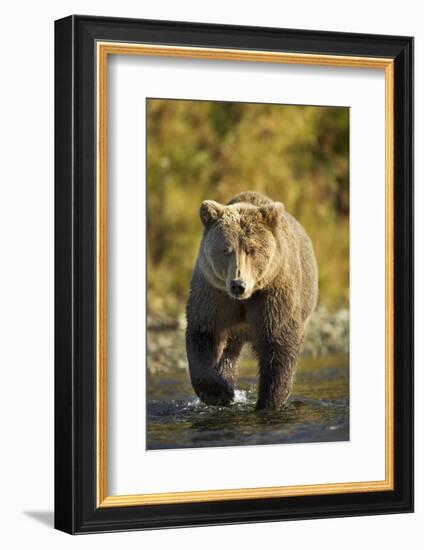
x=271, y=214
x=210, y=211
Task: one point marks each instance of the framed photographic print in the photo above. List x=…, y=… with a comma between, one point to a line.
x=234, y=274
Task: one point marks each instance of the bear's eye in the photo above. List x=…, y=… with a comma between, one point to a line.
x=251, y=252
x=227, y=251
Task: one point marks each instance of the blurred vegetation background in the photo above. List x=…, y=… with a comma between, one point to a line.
x=198, y=150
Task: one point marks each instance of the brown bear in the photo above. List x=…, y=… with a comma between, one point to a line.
x=255, y=280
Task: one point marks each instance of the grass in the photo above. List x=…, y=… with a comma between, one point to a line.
x=213, y=150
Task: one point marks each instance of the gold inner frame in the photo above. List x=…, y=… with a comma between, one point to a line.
x=104, y=49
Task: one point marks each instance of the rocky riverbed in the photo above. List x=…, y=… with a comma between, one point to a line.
x=328, y=334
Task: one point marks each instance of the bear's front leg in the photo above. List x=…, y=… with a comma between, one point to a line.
x=277, y=365
x=211, y=363
x=278, y=344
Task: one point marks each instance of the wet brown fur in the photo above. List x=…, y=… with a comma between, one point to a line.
x=255, y=240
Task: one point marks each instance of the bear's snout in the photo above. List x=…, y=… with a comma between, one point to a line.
x=237, y=287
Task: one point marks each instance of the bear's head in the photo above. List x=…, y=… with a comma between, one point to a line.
x=239, y=245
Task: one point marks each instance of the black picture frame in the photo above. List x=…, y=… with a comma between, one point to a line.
x=76, y=509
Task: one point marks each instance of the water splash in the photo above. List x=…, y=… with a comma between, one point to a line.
x=241, y=396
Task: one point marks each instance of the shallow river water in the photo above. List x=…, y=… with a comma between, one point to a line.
x=318, y=409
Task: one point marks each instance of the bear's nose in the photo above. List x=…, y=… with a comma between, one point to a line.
x=237, y=287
